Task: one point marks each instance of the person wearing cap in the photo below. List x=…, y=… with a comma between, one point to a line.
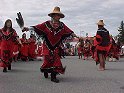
x=102, y=44
x=54, y=32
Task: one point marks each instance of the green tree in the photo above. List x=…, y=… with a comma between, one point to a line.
x=121, y=32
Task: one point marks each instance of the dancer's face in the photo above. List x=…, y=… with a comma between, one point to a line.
x=100, y=26
x=24, y=35
x=56, y=17
x=8, y=24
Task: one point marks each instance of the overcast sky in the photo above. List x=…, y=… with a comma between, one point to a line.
x=80, y=15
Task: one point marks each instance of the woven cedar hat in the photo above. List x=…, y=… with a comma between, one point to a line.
x=101, y=23
x=56, y=11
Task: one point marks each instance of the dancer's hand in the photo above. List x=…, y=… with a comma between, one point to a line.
x=25, y=29
x=20, y=20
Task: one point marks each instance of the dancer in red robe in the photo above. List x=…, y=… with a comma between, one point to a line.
x=93, y=48
x=7, y=36
x=80, y=46
x=24, y=48
x=86, y=50
x=113, y=51
x=32, y=47
x=54, y=32
x=102, y=45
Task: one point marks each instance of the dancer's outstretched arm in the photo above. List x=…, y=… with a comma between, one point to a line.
x=20, y=22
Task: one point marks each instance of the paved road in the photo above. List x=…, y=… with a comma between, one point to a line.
x=80, y=77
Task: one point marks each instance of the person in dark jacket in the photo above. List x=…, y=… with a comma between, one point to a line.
x=102, y=45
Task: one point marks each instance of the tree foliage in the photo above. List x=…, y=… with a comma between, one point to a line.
x=121, y=32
